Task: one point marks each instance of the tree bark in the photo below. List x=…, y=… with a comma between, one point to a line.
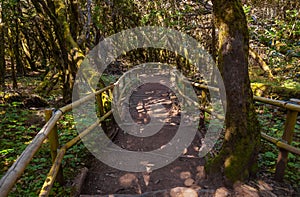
x=16, y=46
x=238, y=156
x=69, y=54
x=2, y=50
x=72, y=55
x=12, y=61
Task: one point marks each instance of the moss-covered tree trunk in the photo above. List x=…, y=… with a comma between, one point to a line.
x=69, y=55
x=237, y=158
x=72, y=55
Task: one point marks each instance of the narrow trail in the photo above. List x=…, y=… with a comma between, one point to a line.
x=185, y=171
x=184, y=177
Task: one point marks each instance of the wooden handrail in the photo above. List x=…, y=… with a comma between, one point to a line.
x=282, y=104
x=56, y=166
x=293, y=108
x=84, y=99
x=18, y=167
x=281, y=144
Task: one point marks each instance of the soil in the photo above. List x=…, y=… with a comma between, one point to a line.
x=183, y=177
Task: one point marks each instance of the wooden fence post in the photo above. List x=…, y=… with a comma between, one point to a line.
x=99, y=100
x=202, y=107
x=54, y=145
x=287, y=136
x=100, y=105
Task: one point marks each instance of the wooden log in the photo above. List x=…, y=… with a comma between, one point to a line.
x=287, y=136
x=283, y=104
x=100, y=106
x=53, y=137
x=87, y=131
x=171, y=192
x=218, y=116
x=78, y=182
x=263, y=65
x=203, y=86
x=52, y=174
x=296, y=101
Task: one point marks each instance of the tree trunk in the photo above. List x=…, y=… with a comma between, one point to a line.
x=12, y=61
x=16, y=47
x=28, y=52
x=69, y=55
x=2, y=51
x=238, y=156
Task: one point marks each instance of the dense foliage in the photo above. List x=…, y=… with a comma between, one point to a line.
x=43, y=43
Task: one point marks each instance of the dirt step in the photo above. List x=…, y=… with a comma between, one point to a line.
x=174, y=192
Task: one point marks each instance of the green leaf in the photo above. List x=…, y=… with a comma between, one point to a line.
x=270, y=154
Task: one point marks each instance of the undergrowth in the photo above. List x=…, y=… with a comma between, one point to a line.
x=272, y=120
x=18, y=127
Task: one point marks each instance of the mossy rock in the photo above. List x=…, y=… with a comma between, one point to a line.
x=35, y=101
x=10, y=97
x=268, y=90
x=23, y=99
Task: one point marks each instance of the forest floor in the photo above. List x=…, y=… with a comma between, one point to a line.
x=20, y=121
x=183, y=177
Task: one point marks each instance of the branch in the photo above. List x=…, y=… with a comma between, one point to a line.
x=263, y=65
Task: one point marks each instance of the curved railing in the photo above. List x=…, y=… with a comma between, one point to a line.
x=18, y=167
x=49, y=131
x=293, y=108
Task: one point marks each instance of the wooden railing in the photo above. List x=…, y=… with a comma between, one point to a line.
x=293, y=108
x=49, y=131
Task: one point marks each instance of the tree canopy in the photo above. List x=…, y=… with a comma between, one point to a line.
x=255, y=44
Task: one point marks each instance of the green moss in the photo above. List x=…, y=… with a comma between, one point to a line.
x=271, y=90
x=239, y=153
x=239, y=162
x=214, y=165
x=238, y=165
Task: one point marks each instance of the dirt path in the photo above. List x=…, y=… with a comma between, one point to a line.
x=183, y=177
x=187, y=170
